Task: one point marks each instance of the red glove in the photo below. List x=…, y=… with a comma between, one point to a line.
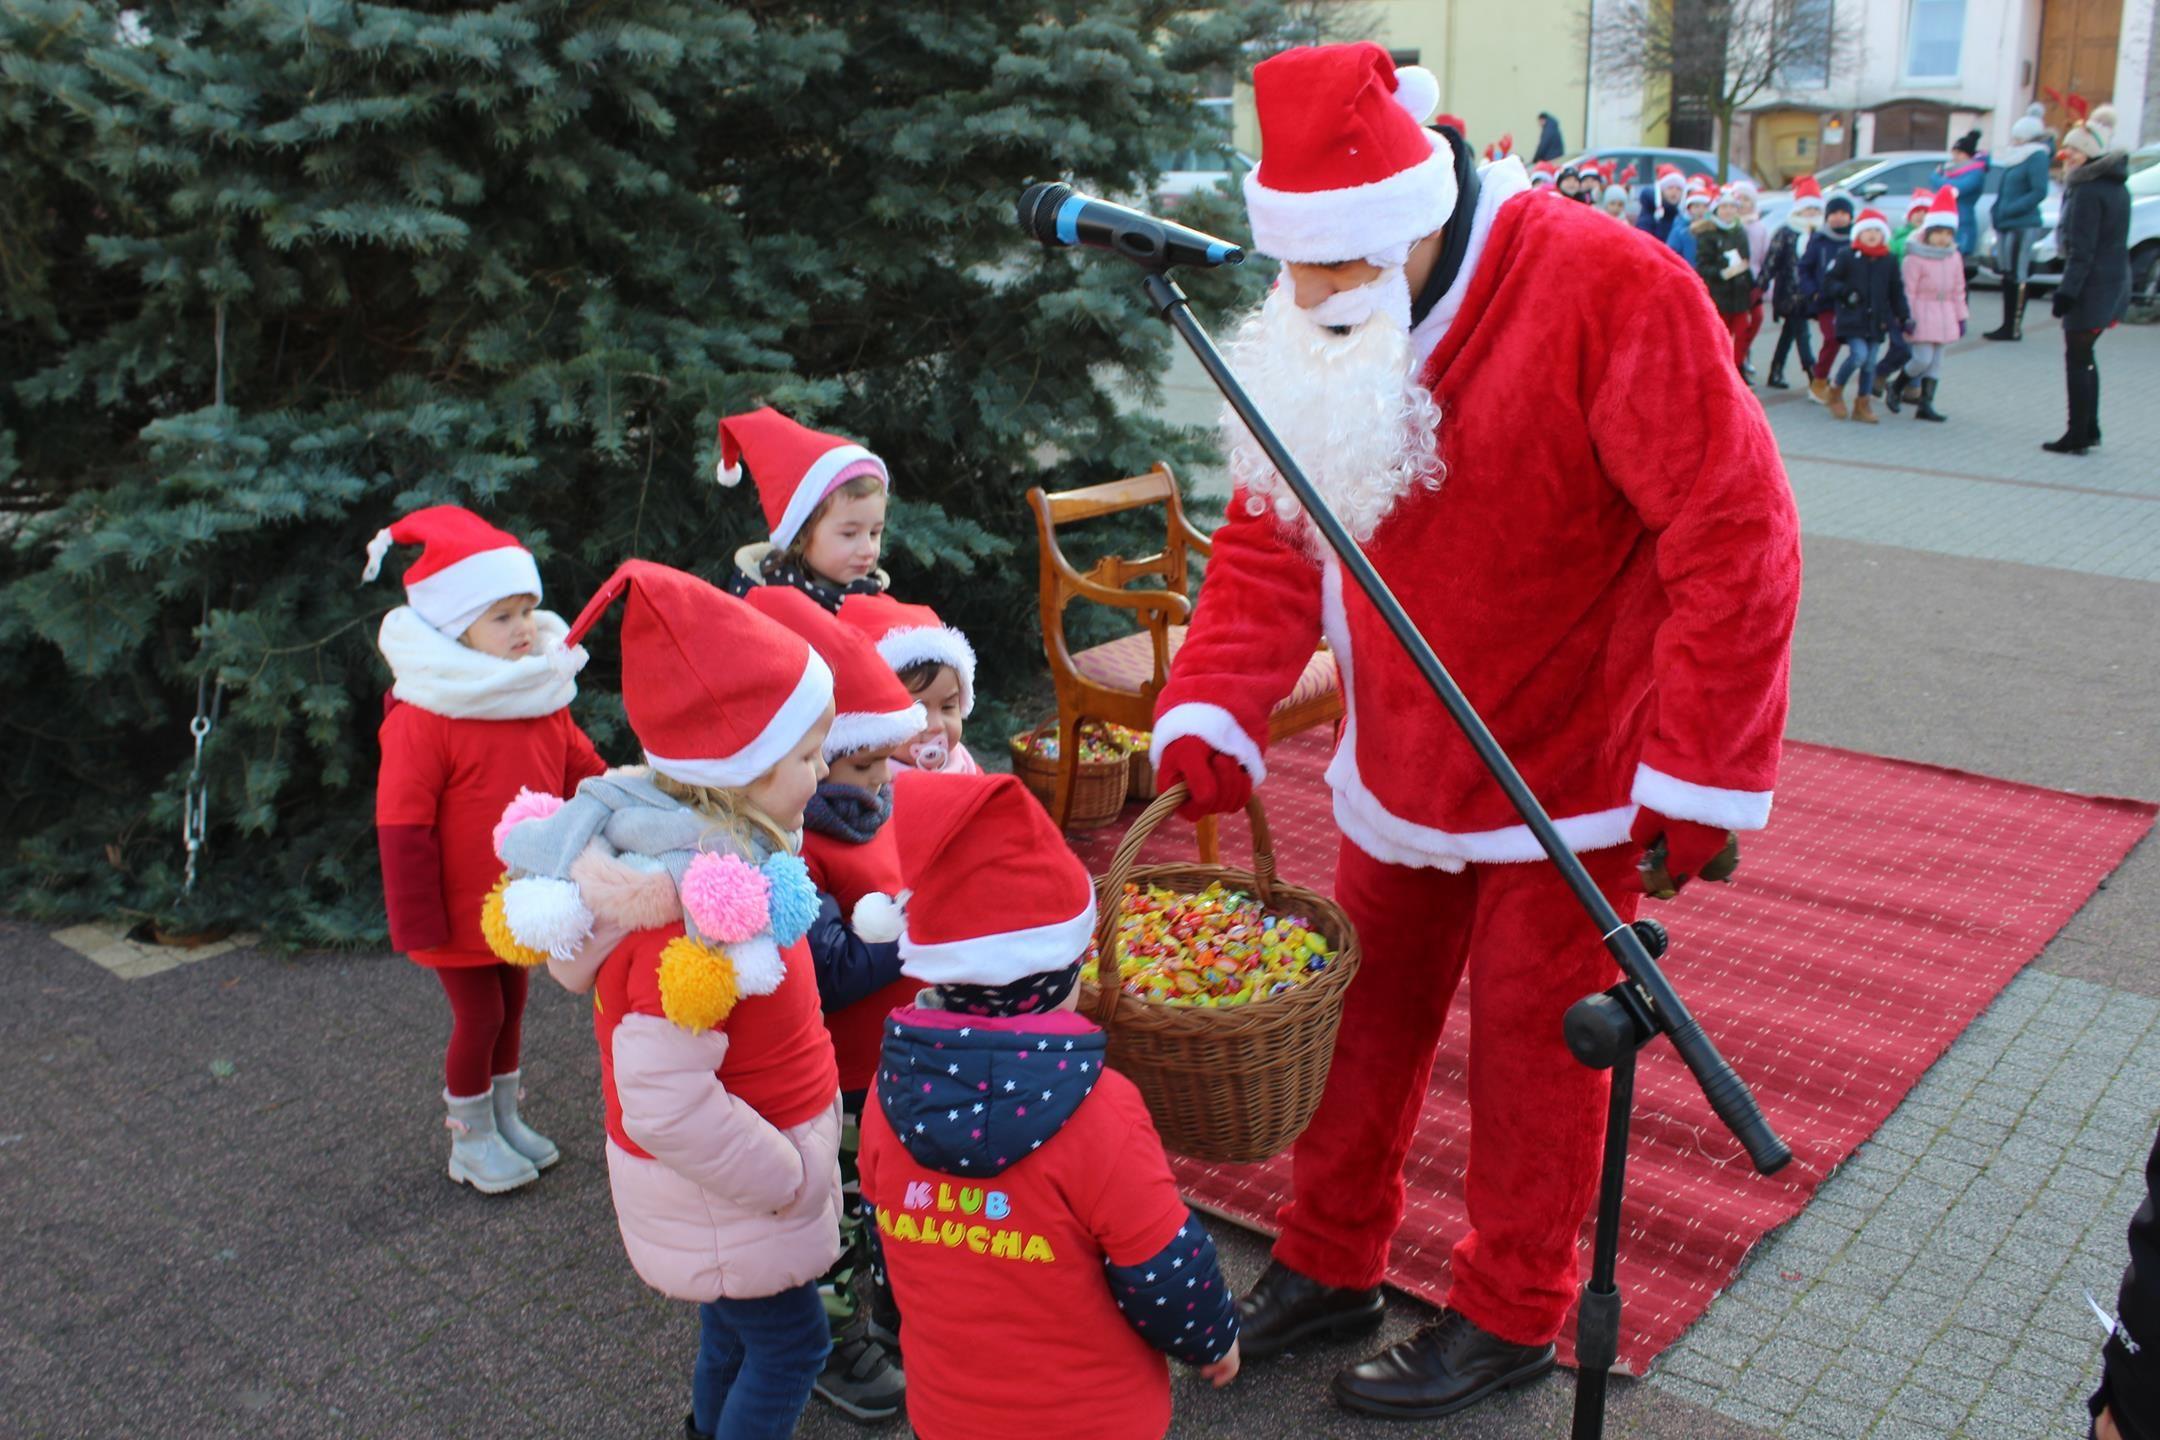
x=1688, y=845
x=1218, y=783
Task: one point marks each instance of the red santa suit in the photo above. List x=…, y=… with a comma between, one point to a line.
x=1610, y=569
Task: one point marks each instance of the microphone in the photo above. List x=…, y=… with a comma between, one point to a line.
x=1060, y=215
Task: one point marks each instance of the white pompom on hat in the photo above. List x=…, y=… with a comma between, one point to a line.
x=465, y=565
x=793, y=466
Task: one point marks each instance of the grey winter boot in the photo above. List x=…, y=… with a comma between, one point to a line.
x=479, y=1156
x=520, y=1137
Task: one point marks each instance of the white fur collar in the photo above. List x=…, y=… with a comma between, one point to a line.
x=1498, y=183
x=438, y=674
x=2013, y=155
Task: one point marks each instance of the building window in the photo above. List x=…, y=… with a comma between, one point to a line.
x=1934, y=42
x=1807, y=52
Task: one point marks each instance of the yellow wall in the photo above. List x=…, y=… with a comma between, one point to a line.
x=1499, y=63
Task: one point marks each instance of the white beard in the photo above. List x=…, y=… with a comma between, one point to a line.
x=1347, y=407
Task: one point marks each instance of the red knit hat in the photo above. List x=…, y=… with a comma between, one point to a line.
x=794, y=466
x=993, y=892
x=1942, y=210
x=910, y=634
x=717, y=693
x=1347, y=168
x=466, y=565
x=875, y=711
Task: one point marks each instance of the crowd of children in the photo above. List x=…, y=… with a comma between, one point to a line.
x=844, y=1101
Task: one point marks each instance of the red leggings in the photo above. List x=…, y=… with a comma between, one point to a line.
x=487, y=1019
x=1826, y=325
x=1743, y=326
x=1537, y=1118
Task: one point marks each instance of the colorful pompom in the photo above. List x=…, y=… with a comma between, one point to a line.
x=529, y=805
x=759, y=968
x=698, y=987
x=794, y=899
x=725, y=898
x=879, y=918
x=496, y=930
x=546, y=914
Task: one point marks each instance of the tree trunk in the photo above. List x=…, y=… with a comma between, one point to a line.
x=1724, y=113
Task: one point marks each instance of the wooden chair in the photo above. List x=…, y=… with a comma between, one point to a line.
x=1117, y=682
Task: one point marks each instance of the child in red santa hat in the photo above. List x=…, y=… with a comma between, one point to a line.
x=936, y=664
x=1864, y=286
x=672, y=892
x=1018, y=1187
x=479, y=711
x=847, y=843
x=824, y=502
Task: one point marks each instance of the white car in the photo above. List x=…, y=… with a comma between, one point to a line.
x=2144, y=188
x=1188, y=172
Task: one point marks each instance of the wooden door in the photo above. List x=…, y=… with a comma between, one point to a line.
x=2077, y=53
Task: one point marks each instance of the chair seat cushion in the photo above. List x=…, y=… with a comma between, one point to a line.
x=1129, y=663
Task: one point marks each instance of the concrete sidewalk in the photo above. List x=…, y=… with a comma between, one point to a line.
x=222, y=1207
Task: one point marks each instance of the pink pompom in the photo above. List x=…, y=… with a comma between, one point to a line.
x=727, y=899
x=529, y=805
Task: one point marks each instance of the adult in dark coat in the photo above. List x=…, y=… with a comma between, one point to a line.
x=2127, y=1404
x=2093, y=238
x=1549, y=143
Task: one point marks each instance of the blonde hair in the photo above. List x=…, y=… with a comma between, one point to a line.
x=854, y=489
x=730, y=810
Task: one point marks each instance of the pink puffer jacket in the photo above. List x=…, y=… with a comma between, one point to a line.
x=1935, y=290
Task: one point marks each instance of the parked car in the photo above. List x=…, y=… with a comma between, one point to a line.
x=2047, y=265
x=1187, y=172
x=1646, y=159
x=1894, y=173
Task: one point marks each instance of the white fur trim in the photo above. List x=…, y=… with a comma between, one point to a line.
x=438, y=674
x=1213, y=726
x=1498, y=183
x=812, y=693
x=1417, y=90
x=759, y=969
x=377, y=548
x=1000, y=959
x=1937, y=220
x=1704, y=804
x=879, y=918
x=916, y=643
x=454, y=596
x=1388, y=837
x=862, y=730
x=1871, y=224
x=814, y=485
x=1326, y=226
x=546, y=914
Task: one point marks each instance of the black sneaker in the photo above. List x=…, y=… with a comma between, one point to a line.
x=862, y=1377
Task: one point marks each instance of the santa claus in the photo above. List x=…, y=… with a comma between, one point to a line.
x=1535, y=431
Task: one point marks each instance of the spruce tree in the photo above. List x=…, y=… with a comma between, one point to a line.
x=273, y=272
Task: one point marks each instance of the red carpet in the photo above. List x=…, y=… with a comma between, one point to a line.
x=1885, y=907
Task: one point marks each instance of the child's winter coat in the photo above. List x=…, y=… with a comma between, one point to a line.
x=1022, y=1203
x=1867, y=294
x=1812, y=280
x=859, y=981
x=462, y=733
x=1780, y=271
x=1717, y=248
x=1934, y=279
x=1681, y=239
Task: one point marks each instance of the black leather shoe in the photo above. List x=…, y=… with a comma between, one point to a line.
x=1284, y=1308
x=1448, y=1366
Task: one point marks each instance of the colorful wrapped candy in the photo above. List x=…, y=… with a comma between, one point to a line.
x=1217, y=948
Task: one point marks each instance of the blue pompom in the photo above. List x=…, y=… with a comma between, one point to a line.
x=794, y=898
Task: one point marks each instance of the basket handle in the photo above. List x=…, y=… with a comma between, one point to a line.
x=1161, y=808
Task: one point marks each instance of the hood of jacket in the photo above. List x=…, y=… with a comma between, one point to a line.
x=438, y=674
x=2109, y=165
x=2012, y=156
x=970, y=1095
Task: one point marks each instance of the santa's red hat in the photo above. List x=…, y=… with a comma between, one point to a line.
x=993, y=893
x=1347, y=168
x=911, y=634
x=465, y=566
x=716, y=693
x=793, y=466
x=1942, y=210
x=1871, y=219
x=873, y=710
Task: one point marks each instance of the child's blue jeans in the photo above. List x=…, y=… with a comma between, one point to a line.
x=756, y=1363
x=1860, y=355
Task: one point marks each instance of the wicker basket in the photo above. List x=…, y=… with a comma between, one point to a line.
x=1142, y=784
x=1098, y=792
x=1235, y=1084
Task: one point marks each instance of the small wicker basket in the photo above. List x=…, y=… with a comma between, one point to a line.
x=1098, y=793
x=1232, y=1084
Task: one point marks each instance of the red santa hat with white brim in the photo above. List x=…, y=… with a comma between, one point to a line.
x=993, y=894
x=872, y=709
x=1871, y=219
x=716, y=693
x=1669, y=174
x=1347, y=167
x=465, y=565
x=907, y=635
x=1942, y=210
x=1807, y=194
x=793, y=466
x=1698, y=190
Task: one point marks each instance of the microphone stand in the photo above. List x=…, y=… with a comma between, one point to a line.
x=1603, y=1031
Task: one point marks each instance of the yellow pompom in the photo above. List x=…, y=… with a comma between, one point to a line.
x=496, y=929
x=697, y=984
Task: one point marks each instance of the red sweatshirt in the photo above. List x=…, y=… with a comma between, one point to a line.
x=847, y=873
